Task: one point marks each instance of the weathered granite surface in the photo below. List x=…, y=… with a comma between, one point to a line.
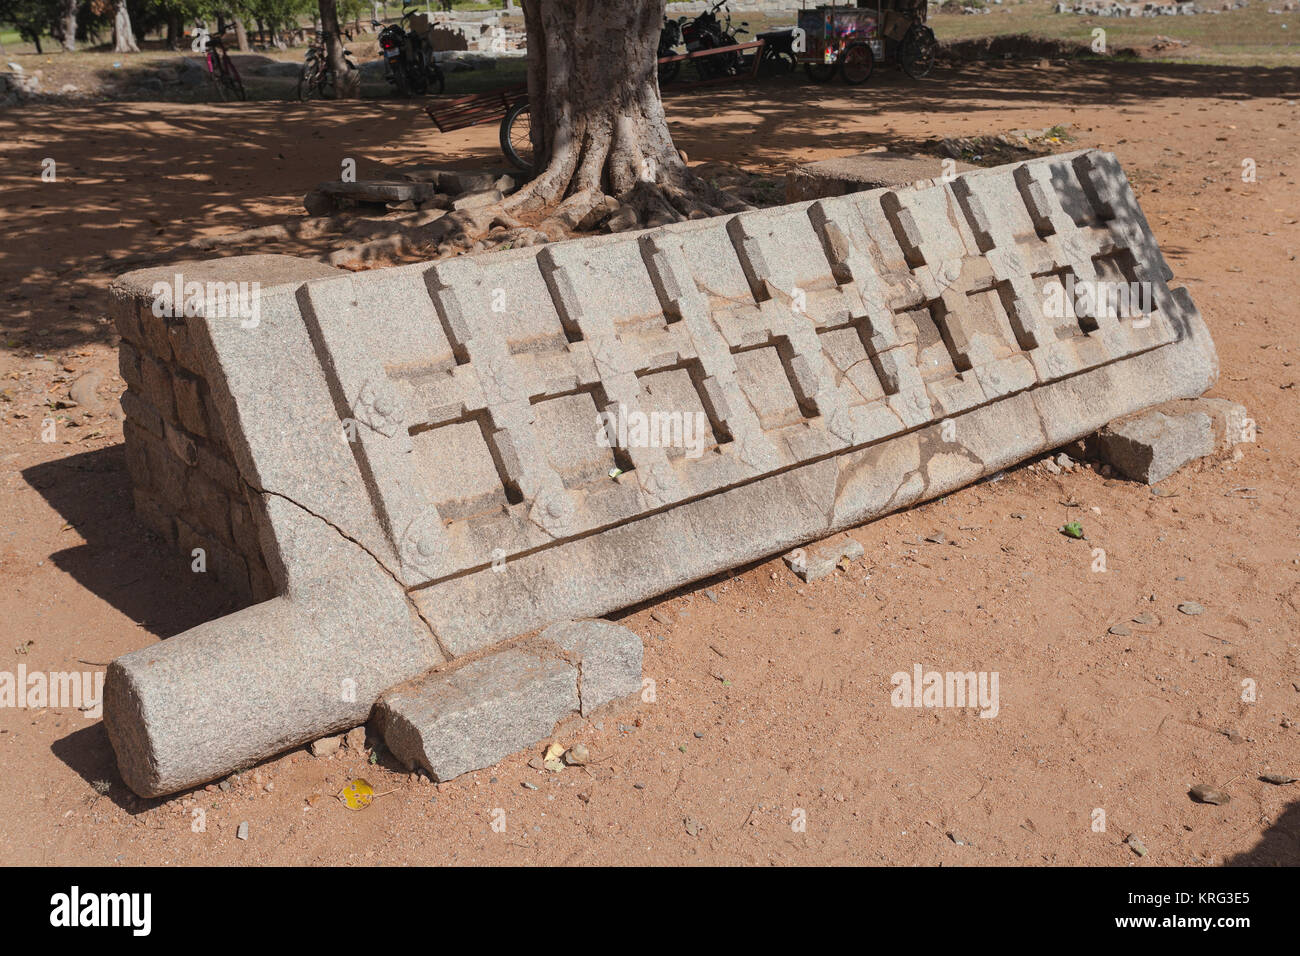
x=420, y=444
x=469, y=717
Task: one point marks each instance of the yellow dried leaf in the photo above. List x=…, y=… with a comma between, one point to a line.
x=357, y=795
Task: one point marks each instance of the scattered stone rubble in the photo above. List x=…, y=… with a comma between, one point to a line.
x=1184, y=9
x=416, y=445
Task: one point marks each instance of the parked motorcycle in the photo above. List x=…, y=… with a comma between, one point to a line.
x=669, y=39
x=408, y=60
x=707, y=32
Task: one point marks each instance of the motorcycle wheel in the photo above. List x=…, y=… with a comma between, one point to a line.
x=437, y=79
x=707, y=66
x=400, y=82
x=819, y=72
x=516, y=137
x=857, y=63
x=776, y=64
x=668, y=71
x=731, y=61
x=916, y=53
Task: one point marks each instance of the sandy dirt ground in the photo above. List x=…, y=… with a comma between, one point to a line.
x=772, y=697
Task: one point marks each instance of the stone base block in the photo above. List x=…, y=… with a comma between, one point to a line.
x=1152, y=445
x=451, y=722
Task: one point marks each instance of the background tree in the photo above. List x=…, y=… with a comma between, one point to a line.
x=123, y=36
x=346, y=82
x=598, y=125
x=31, y=18
x=68, y=24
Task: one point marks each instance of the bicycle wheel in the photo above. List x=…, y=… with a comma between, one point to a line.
x=230, y=80
x=916, y=54
x=235, y=86
x=309, y=80
x=857, y=63
x=516, y=137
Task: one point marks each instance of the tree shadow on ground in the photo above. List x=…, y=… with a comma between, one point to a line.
x=136, y=181
x=1279, y=845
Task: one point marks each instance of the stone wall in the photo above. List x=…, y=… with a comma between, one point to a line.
x=185, y=484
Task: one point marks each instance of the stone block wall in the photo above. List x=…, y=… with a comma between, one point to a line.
x=186, y=486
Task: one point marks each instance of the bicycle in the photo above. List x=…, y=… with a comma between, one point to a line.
x=317, y=77
x=516, y=137
x=222, y=69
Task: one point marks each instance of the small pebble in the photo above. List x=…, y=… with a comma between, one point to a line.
x=1120, y=630
x=1204, y=793
x=242, y=832
x=1191, y=607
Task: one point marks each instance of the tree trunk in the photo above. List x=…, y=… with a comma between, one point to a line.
x=241, y=36
x=123, y=38
x=346, y=83
x=69, y=17
x=175, y=31
x=598, y=125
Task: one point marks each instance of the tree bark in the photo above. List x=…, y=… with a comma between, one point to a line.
x=241, y=36
x=123, y=37
x=69, y=17
x=346, y=83
x=598, y=124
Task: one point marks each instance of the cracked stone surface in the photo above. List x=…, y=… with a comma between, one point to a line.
x=469, y=717
x=428, y=440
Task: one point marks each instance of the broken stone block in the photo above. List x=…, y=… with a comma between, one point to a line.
x=417, y=448
x=850, y=174
x=1152, y=445
x=608, y=658
x=452, y=722
x=488, y=197
x=818, y=560
x=455, y=181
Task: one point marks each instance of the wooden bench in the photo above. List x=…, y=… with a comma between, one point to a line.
x=741, y=48
x=490, y=106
